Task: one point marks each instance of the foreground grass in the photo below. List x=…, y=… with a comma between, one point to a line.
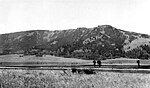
x=66, y=79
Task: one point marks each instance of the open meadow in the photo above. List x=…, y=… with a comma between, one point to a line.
x=49, y=58
x=33, y=58
x=52, y=61
x=57, y=73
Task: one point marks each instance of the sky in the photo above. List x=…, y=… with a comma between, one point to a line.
x=22, y=15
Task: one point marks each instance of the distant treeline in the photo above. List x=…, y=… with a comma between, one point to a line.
x=141, y=52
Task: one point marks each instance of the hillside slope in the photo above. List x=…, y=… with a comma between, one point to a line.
x=86, y=43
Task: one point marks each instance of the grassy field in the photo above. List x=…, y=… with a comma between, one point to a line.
x=51, y=61
x=10, y=78
x=32, y=58
x=15, y=60
x=66, y=79
x=49, y=58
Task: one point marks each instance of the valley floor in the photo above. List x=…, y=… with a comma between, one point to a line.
x=55, y=72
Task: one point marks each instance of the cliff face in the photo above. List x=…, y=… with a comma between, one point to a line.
x=102, y=40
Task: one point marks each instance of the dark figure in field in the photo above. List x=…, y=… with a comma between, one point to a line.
x=94, y=63
x=74, y=70
x=138, y=62
x=99, y=63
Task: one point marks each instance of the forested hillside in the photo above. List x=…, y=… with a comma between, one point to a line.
x=103, y=42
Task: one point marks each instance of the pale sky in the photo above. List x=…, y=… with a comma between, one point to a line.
x=22, y=15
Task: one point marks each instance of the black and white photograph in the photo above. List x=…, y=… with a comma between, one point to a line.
x=74, y=43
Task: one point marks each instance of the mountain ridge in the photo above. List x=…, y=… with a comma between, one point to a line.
x=86, y=43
